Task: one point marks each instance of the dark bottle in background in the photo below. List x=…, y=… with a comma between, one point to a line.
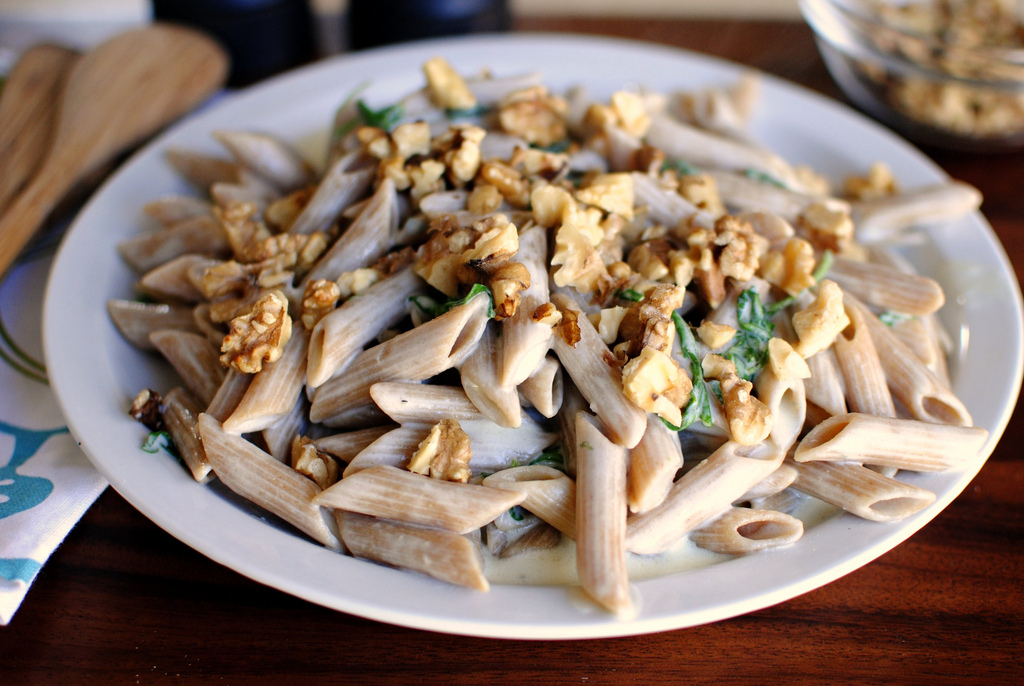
x=382, y=22
x=263, y=37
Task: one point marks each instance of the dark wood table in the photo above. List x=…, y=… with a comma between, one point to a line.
x=123, y=602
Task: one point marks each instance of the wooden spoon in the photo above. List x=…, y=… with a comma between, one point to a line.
x=118, y=94
x=27, y=112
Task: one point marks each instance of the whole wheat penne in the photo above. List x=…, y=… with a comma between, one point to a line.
x=664, y=207
x=268, y=156
x=544, y=388
x=887, y=288
x=776, y=482
x=494, y=447
x=174, y=209
x=653, y=464
x=250, y=188
x=785, y=500
x=744, y=194
x=479, y=373
x=342, y=333
x=274, y=390
x=366, y=239
x=258, y=477
x=550, y=494
x=825, y=387
x=230, y=392
x=902, y=443
x=195, y=360
x=787, y=401
x=601, y=517
x=280, y=435
x=136, y=320
x=396, y=494
x=742, y=530
x=434, y=552
x=181, y=413
x=198, y=236
x=171, y=280
x=345, y=446
x=863, y=376
x=526, y=341
x=885, y=217
x=701, y=494
x=573, y=403
x=202, y=171
x=429, y=349
x=920, y=391
x=860, y=491
x=423, y=403
x=598, y=379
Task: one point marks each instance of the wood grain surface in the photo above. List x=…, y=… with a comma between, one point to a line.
x=123, y=602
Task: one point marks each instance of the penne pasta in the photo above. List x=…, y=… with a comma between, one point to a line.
x=194, y=359
x=863, y=376
x=480, y=373
x=274, y=391
x=742, y=530
x=543, y=389
x=550, y=494
x=859, y=490
x=181, y=413
x=525, y=341
x=653, y=464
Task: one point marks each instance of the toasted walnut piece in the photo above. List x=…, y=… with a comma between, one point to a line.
x=649, y=259
x=375, y=141
x=792, y=268
x=534, y=115
x=446, y=86
x=318, y=300
x=819, y=324
x=681, y=267
x=811, y=181
x=741, y=248
x=568, y=327
x=224, y=278
x=785, y=362
x=459, y=149
x=576, y=255
x=829, y=227
x=549, y=205
x=878, y=183
x=241, y=226
x=484, y=199
x=258, y=336
x=300, y=251
x=356, y=281
x=394, y=168
x=507, y=282
x=607, y=323
x=498, y=241
x=439, y=258
x=648, y=323
x=283, y=211
x=444, y=454
x=702, y=191
x=394, y=261
x=715, y=335
x=509, y=182
x=318, y=466
x=546, y=313
x=146, y=408
x=426, y=178
x=545, y=164
x=654, y=382
x=630, y=113
x=750, y=420
x=411, y=139
x=610, y=192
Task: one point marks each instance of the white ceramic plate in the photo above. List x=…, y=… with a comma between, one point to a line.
x=95, y=373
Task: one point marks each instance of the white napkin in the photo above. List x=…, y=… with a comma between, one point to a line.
x=46, y=482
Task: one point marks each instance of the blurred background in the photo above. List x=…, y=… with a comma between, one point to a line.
x=284, y=33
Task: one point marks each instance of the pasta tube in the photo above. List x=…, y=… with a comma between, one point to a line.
x=742, y=530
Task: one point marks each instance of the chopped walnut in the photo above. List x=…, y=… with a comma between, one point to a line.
x=828, y=226
x=576, y=241
x=534, y=115
x=626, y=110
x=484, y=199
x=356, y=281
x=702, y=191
x=318, y=300
x=283, y=211
x=650, y=259
x=750, y=420
x=240, y=223
x=818, y=325
x=507, y=282
x=568, y=326
x=314, y=464
x=258, y=336
x=549, y=205
x=411, y=139
x=715, y=335
x=293, y=250
x=426, y=177
x=394, y=262
x=459, y=150
x=147, y=408
x=509, y=182
x=607, y=323
x=741, y=248
x=654, y=382
x=543, y=164
x=648, y=323
x=444, y=454
x=610, y=192
x=546, y=313
x=785, y=362
x=878, y=183
x=446, y=86
x=792, y=268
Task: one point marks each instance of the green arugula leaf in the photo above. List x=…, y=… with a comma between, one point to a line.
x=699, y=407
x=819, y=273
x=432, y=309
x=684, y=168
x=749, y=349
x=630, y=295
x=466, y=112
x=157, y=441
x=552, y=457
x=762, y=177
x=558, y=146
x=385, y=118
x=891, y=318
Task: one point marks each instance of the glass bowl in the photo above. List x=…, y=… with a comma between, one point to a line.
x=948, y=73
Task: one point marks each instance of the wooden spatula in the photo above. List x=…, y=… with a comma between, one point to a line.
x=27, y=112
x=118, y=94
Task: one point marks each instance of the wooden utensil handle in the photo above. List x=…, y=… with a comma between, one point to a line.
x=30, y=210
